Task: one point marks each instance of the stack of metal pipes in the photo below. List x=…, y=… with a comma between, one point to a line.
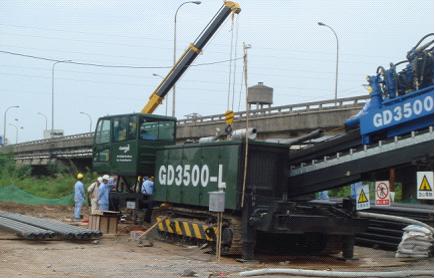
x=34, y=228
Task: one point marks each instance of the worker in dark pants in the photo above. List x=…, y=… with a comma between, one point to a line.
x=147, y=190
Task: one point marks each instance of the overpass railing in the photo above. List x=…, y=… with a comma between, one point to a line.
x=287, y=109
x=278, y=110
x=58, y=139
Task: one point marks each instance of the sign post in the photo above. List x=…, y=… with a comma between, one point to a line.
x=217, y=204
x=382, y=190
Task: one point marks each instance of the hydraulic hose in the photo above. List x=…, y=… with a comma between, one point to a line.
x=417, y=47
x=422, y=39
x=323, y=273
x=395, y=218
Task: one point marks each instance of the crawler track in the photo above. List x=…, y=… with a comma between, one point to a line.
x=197, y=227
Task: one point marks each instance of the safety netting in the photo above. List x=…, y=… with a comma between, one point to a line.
x=14, y=194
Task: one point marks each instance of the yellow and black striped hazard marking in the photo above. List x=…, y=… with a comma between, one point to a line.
x=186, y=228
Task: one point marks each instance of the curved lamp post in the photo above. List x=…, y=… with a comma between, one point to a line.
x=166, y=99
x=46, y=119
x=336, y=64
x=52, y=92
x=175, y=47
x=90, y=120
x=4, y=123
x=17, y=129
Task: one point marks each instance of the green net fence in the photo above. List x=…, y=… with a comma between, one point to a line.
x=14, y=194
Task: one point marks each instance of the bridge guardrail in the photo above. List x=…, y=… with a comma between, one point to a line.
x=287, y=109
x=53, y=140
x=278, y=110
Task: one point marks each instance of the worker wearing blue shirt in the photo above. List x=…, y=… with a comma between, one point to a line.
x=148, y=186
x=79, y=196
x=103, y=194
x=148, y=190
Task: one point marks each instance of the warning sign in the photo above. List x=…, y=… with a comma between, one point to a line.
x=382, y=190
x=362, y=197
x=425, y=185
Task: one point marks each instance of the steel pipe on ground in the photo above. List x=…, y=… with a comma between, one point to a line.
x=68, y=231
x=395, y=218
x=24, y=230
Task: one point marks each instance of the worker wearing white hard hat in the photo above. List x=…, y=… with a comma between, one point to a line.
x=93, y=194
x=103, y=194
x=79, y=196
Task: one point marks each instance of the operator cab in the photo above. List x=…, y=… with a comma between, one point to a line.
x=126, y=144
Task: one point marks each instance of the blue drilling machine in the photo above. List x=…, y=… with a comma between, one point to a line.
x=400, y=101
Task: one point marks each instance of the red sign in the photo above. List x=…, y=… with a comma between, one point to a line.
x=383, y=193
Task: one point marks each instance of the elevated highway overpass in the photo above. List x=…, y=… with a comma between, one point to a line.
x=274, y=122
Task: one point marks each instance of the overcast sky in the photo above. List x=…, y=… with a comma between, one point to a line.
x=290, y=53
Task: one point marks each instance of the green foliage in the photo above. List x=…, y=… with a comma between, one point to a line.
x=56, y=169
x=58, y=184
x=398, y=192
x=342, y=192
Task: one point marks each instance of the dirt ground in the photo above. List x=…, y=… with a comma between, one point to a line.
x=120, y=257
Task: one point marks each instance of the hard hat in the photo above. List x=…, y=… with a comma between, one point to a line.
x=80, y=175
x=100, y=179
x=106, y=177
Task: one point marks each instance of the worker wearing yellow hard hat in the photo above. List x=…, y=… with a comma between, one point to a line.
x=79, y=196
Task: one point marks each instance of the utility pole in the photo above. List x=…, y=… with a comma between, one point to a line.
x=245, y=73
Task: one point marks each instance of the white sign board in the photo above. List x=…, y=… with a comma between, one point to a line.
x=382, y=191
x=362, y=197
x=425, y=185
x=131, y=204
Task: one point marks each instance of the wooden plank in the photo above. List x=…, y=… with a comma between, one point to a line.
x=113, y=225
x=104, y=225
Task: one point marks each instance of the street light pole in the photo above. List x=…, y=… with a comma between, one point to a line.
x=46, y=120
x=4, y=123
x=90, y=120
x=336, y=64
x=175, y=47
x=166, y=99
x=16, y=133
x=52, y=93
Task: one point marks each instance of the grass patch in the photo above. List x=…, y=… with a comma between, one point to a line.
x=59, y=183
